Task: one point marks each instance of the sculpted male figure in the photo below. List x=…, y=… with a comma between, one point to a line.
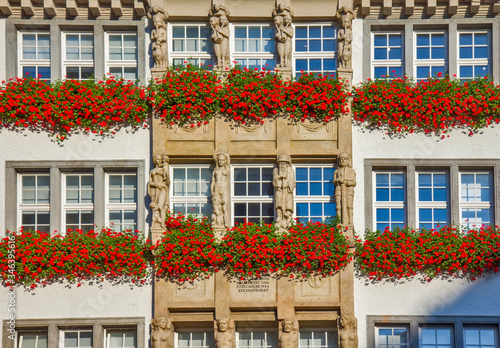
x=344, y=37
x=159, y=36
x=224, y=334
x=284, y=34
x=288, y=337
x=344, y=180
x=220, y=191
x=220, y=35
x=284, y=184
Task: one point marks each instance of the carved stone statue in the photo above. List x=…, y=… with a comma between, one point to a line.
x=284, y=184
x=344, y=37
x=162, y=333
x=159, y=36
x=224, y=333
x=158, y=190
x=348, y=335
x=219, y=189
x=220, y=35
x=284, y=34
x=344, y=180
x=289, y=334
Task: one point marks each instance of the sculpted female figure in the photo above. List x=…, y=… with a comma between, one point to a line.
x=288, y=337
x=224, y=334
x=161, y=336
x=159, y=36
x=348, y=335
x=220, y=191
x=158, y=186
x=284, y=184
x=220, y=35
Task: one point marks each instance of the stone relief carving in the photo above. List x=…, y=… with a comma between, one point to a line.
x=224, y=333
x=344, y=180
x=284, y=184
x=159, y=36
x=344, y=37
x=289, y=334
x=220, y=35
x=158, y=190
x=219, y=189
x=284, y=34
x=348, y=335
x=316, y=282
x=162, y=333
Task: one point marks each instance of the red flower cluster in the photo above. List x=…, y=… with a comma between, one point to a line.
x=190, y=96
x=64, y=107
x=444, y=252
x=433, y=105
x=42, y=259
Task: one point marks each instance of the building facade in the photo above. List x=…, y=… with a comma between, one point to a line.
x=224, y=170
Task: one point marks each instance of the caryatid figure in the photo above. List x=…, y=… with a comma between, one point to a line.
x=159, y=36
x=289, y=334
x=162, y=333
x=284, y=184
x=224, y=333
x=220, y=35
x=344, y=37
x=158, y=190
x=348, y=335
x=284, y=35
x=219, y=189
x=344, y=180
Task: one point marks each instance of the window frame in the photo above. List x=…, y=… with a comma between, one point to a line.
x=261, y=55
x=21, y=207
x=481, y=204
x=80, y=63
x=76, y=206
x=389, y=204
x=314, y=54
x=432, y=204
x=266, y=330
x=387, y=62
x=188, y=55
x=430, y=62
x=122, y=207
x=123, y=63
x=34, y=332
x=474, y=61
x=196, y=330
x=333, y=330
x=37, y=63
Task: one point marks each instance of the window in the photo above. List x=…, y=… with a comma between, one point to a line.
x=315, y=47
x=191, y=43
x=77, y=339
x=314, y=193
x=318, y=339
x=33, y=340
x=121, y=208
x=430, y=54
x=252, y=194
x=480, y=337
x=473, y=54
x=34, y=204
x=389, y=200
x=436, y=337
x=121, y=339
x=254, y=46
x=194, y=339
x=121, y=57
x=35, y=55
x=257, y=339
x=432, y=201
x=78, y=55
x=392, y=337
x=475, y=198
x=387, y=61
x=191, y=190
x=78, y=202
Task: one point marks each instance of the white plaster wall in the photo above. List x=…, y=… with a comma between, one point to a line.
x=357, y=51
x=3, y=49
x=63, y=300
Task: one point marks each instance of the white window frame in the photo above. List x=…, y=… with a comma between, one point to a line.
x=20, y=334
x=31, y=207
x=314, y=54
x=45, y=63
x=393, y=327
x=322, y=330
x=430, y=62
x=386, y=62
x=266, y=331
x=79, y=331
x=121, y=63
x=481, y=327
x=388, y=204
x=436, y=327
x=185, y=55
x=474, y=61
x=80, y=63
x=108, y=332
x=120, y=206
x=205, y=332
x=310, y=198
x=75, y=206
x=480, y=204
x=187, y=199
x=247, y=198
x=262, y=55
x=432, y=204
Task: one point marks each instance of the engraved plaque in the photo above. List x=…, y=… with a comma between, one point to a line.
x=254, y=289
